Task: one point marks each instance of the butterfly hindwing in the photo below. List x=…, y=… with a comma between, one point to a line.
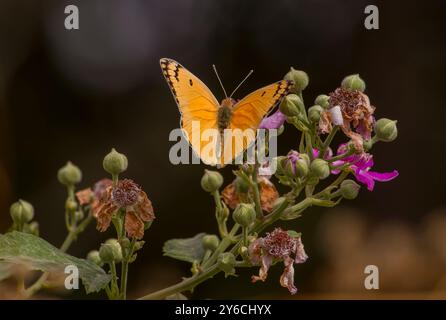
x=197, y=105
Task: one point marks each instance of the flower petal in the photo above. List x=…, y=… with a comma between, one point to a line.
x=383, y=176
x=287, y=277
x=134, y=226
x=363, y=177
x=275, y=121
x=267, y=260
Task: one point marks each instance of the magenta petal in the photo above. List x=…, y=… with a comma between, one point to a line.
x=275, y=121
x=383, y=176
x=363, y=177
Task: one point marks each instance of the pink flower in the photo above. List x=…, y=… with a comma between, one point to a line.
x=361, y=165
x=278, y=245
x=274, y=121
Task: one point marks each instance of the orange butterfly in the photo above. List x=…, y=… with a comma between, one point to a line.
x=202, y=116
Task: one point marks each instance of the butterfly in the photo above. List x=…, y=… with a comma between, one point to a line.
x=201, y=114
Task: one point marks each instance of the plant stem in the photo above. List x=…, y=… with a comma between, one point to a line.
x=184, y=285
x=255, y=188
x=125, y=270
x=327, y=142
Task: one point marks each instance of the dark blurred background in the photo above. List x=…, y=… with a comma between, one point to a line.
x=73, y=95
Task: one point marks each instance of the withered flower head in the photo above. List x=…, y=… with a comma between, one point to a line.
x=278, y=245
x=128, y=196
x=268, y=195
x=126, y=193
x=357, y=113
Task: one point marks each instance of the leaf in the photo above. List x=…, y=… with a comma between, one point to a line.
x=5, y=270
x=188, y=249
x=38, y=254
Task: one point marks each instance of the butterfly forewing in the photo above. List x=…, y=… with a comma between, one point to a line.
x=198, y=108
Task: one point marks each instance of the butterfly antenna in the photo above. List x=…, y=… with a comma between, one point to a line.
x=219, y=80
x=247, y=76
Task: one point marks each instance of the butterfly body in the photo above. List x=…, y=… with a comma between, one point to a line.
x=201, y=113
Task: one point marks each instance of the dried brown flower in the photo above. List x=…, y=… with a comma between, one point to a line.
x=268, y=195
x=126, y=195
x=278, y=245
x=357, y=114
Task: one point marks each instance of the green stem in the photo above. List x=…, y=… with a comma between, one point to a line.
x=224, y=244
x=184, y=285
x=327, y=142
x=255, y=187
x=125, y=270
x=341, y=156
x=114, y=281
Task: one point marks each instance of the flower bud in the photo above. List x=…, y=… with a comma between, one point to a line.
x=300, y=79
x=322, y=100
x=291, y=106
x=94, y=257
x=78, y=215
x=386, y=130
x=115, y=162
x=211, y=181
x=241, y=185
x=110, y=251
x=21, y=212
x=69, y=175
x=70, y=205
x=301, y=168
x=32, y=228
x=353, y=82
x=226, y=262
x=314, y=113
x=320, y=168
x=210, y=242
x=349, y=189
x=244, y=214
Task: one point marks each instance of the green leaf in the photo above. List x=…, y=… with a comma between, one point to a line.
x=38, y=254
x=188, y=249
x=5, y=270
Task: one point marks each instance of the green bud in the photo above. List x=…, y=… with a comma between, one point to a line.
x=386, y=130
x=32, y=228
x=314, y=113
x=111, y=251
x=320, y=168
x=70, y=205
x=21, y=212
x=353, y=82
x=210, y=242
x=147, y=225
x=226, y=262
x=322, y=100
x=69, y=175
x=302, y=168
x=305, y=157
x=94, y=257
x=280, y=161
x=244, y=214
x=241, y=185
x=291, y=106
x=349, y=189
x=115, y=162
x=300, y=79
x=289, y=168
x=211, y=181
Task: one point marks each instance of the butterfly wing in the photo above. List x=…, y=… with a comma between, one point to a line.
x=198, y=107
x=249, y=112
